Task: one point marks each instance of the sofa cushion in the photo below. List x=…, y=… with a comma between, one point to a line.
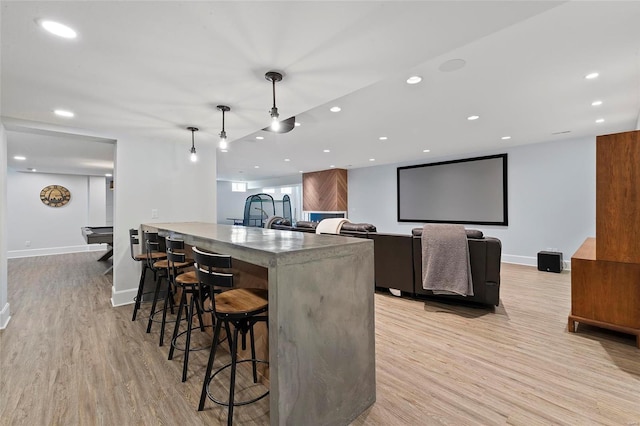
x=471, y=233
x=306, y=224
x=358, y=227
x=474, y=233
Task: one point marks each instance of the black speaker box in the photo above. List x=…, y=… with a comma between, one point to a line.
x=550, y=261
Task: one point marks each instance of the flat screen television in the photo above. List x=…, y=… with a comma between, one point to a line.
x=466, y=191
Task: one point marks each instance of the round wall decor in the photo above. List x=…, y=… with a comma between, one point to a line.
x=55, y=195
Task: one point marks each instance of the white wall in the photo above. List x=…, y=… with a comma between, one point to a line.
x=51, y=230
x=551, y=199
x=5, y=313
x=230, y=204
x=151, y=174
x=97, y=215
x=109, y=205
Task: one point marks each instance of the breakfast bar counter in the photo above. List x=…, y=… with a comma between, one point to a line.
x=321, y=316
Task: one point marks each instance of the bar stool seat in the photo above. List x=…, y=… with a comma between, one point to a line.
x=237, y=308
x=189, y=277
x=160, y=264
x=242, y=302
x=155, y=256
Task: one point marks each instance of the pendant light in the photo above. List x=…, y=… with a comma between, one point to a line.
x=194, y=157
x=274, y=76
x=223, y=135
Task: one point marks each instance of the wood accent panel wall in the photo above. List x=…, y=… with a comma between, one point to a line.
x=325, y=190
x=618, y=197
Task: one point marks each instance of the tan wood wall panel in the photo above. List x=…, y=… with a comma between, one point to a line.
x=618, y=197
x=325, y=190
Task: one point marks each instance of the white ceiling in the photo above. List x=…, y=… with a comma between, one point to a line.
x=150, y=69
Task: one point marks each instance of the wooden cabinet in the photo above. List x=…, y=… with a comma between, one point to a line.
x=618, y=197
x=605, y=271
x=604, y=293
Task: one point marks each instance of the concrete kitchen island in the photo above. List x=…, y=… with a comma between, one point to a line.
x=321, y=316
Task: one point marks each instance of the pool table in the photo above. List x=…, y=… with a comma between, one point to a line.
x=99, y=235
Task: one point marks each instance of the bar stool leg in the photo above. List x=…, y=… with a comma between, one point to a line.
x=188, y=340
x=140, y=291
x=232, y=387
x=199, y=310
x=168, y=295
x=176, y=328
x=228, y=330
x=156, y=293
x=205, y=383
x=253, y=354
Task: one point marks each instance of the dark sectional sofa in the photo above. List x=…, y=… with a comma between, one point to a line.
x=398, y=260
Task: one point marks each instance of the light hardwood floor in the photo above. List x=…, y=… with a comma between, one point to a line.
x=69, y=358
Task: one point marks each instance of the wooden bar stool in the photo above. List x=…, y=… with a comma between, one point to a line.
x=147, y=259
x=190, y=285
x=241, y=308
x=172, y=269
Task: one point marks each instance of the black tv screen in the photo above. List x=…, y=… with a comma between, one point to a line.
x=467, y=191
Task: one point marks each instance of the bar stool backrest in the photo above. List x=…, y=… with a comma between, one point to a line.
x=133, y=241
x=208, y=266
x=175, y=255
x=152, y=245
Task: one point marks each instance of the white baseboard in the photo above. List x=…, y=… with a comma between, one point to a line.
x=520, y=260
x=121, y=298
x=15, y=254
x=529, y=261
x=5, y=316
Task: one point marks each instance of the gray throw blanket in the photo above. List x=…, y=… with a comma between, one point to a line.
x=446, y=268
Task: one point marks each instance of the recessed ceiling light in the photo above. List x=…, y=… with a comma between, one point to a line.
x=372, y=159
x=600, y=120
x=452, y=65
x=256, y=167
x=591, y=76
x=326, y=150
x=504, y=138
x=19, y=157
x=224, y=150
x=596, y=103
x=332, y=166
x=108, y=174
x=287, y=159
x=259, y=137
x=31, y=170
x=383, y=138
x=300, y=171
x=414, y=79
x=64, y=113
x=58, y=29
x=473, y=117
x=335, y=109
x=297, y=124
x=426, y=150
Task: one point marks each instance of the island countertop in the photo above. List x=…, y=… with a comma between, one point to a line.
x=270, y=243
x=321, y=316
